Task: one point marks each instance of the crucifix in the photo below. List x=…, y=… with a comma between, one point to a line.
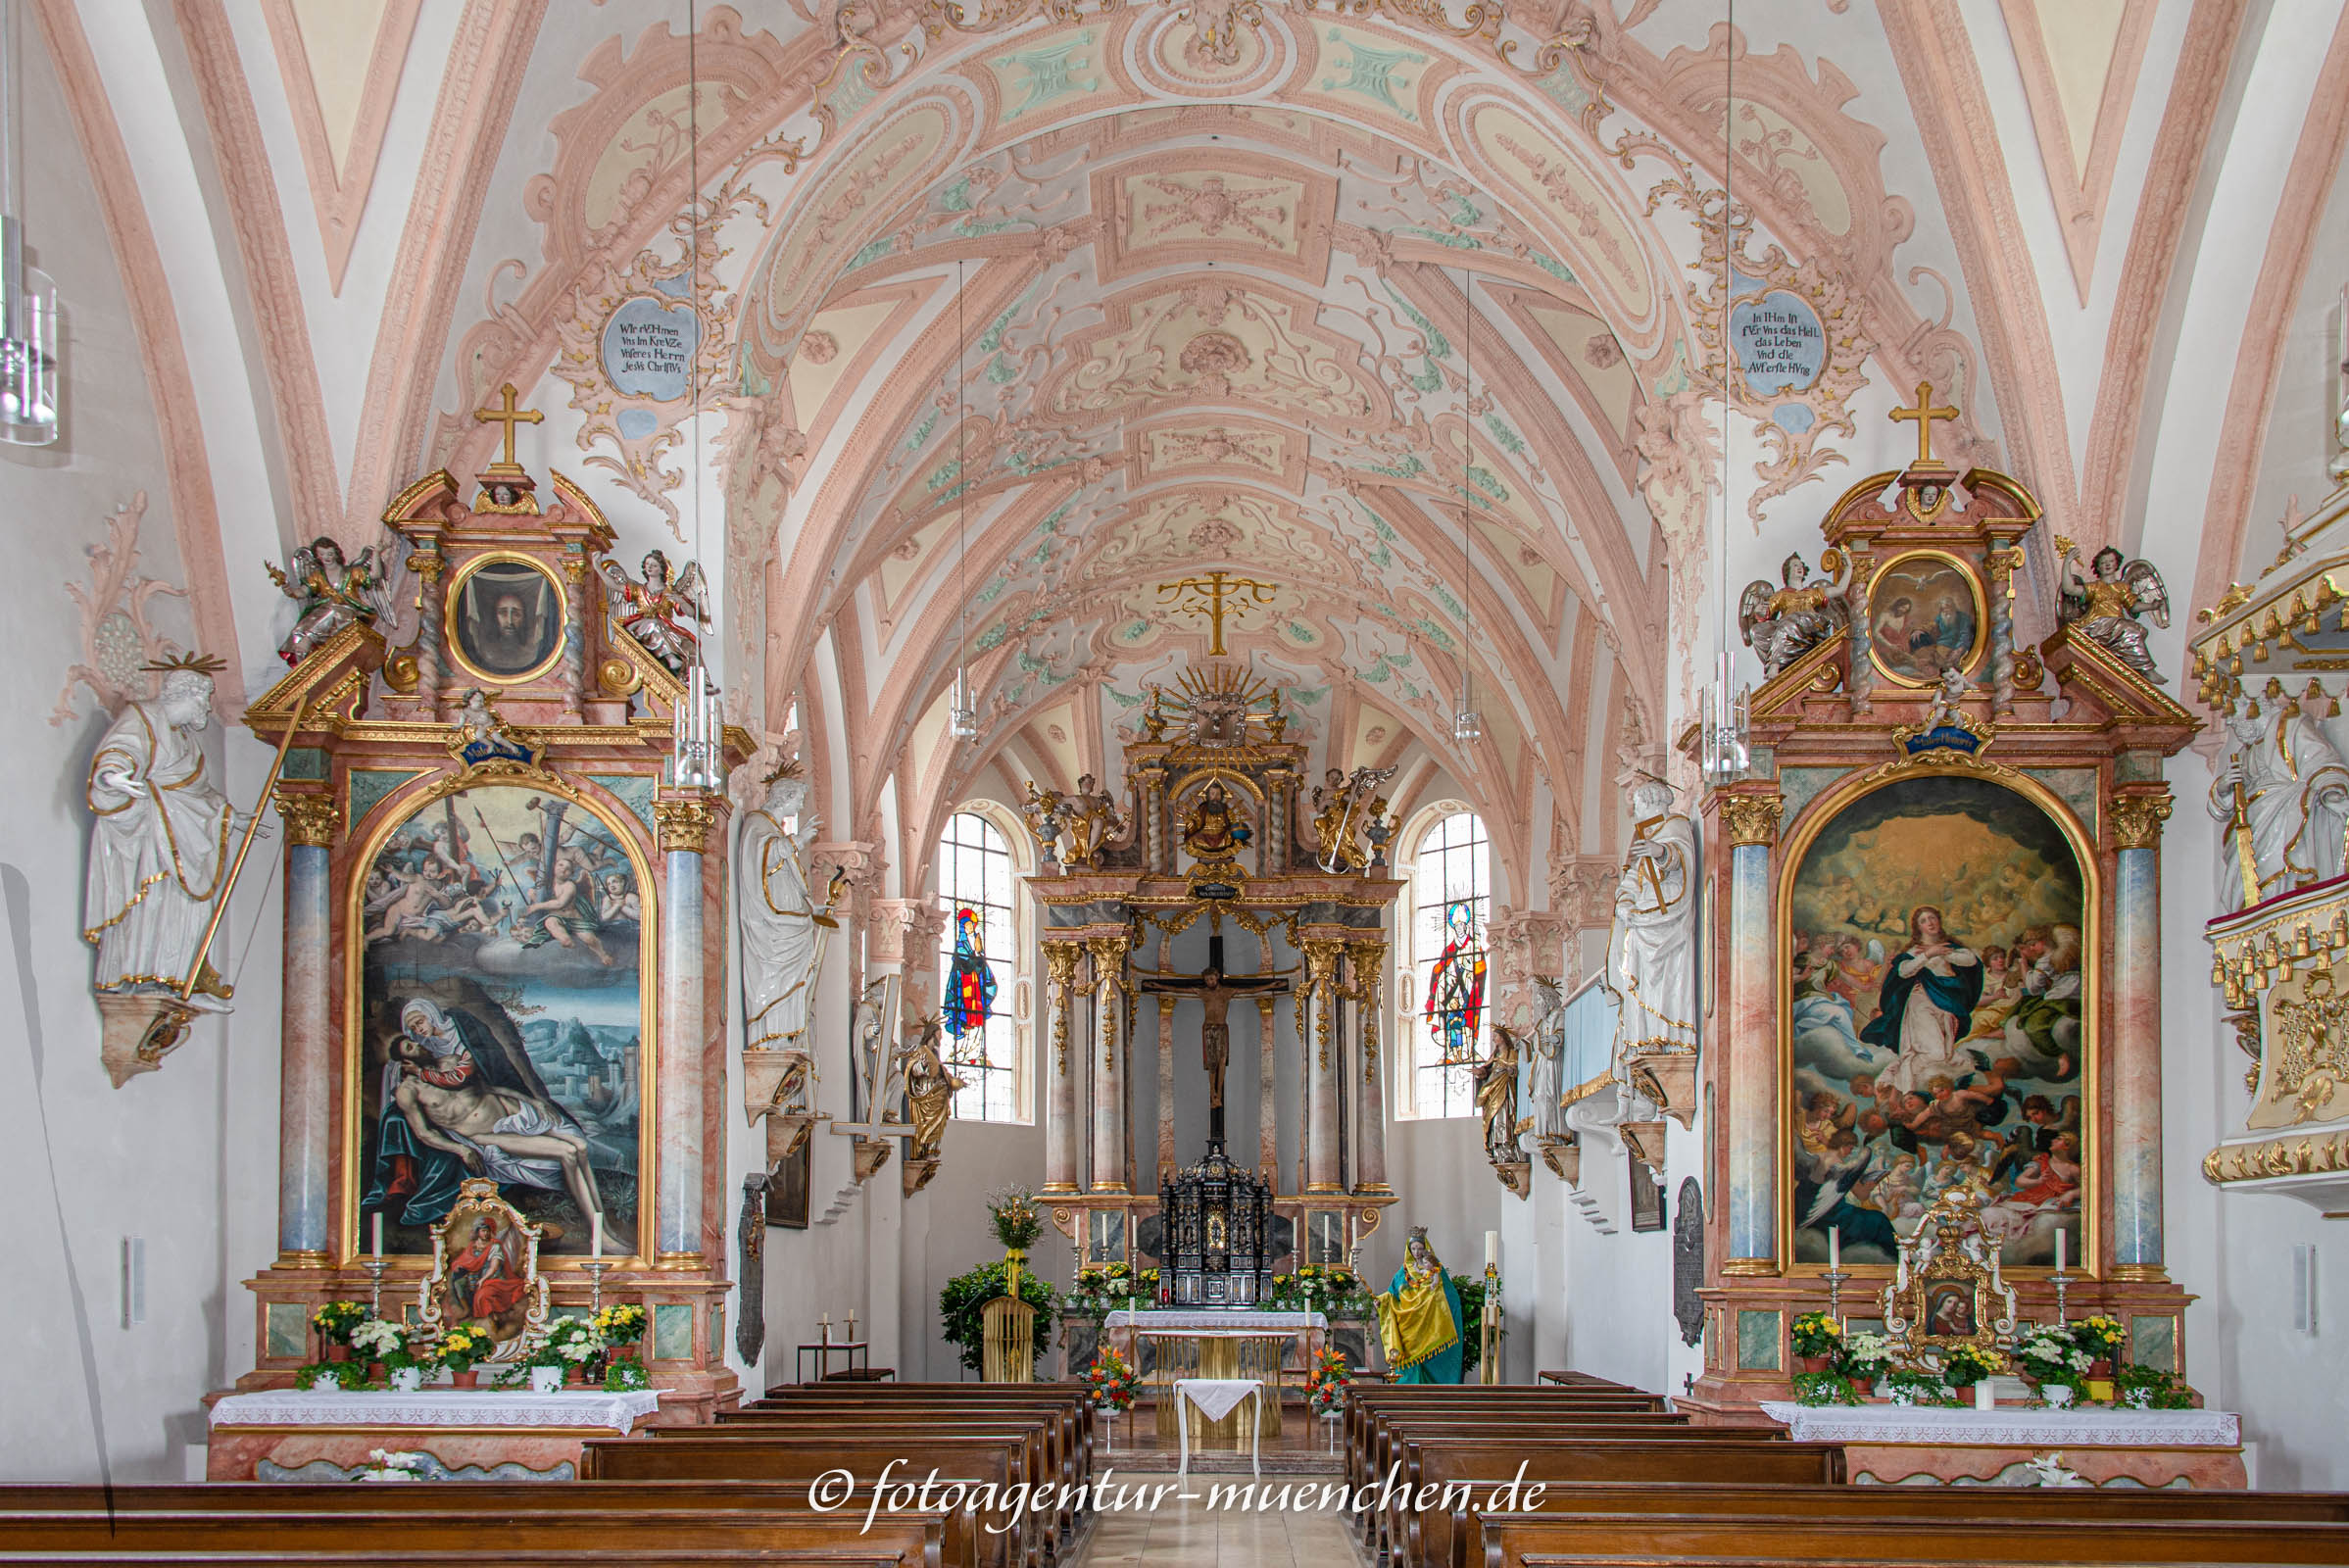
x=1923, y=415
x=507, y=415
x=1215, y=991
x=1218, y=594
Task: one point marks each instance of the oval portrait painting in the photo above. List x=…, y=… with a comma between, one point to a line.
x=506, y=614
x=1924, y=616
x=1938, y=1024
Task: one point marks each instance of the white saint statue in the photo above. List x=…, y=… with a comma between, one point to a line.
x=782, y=940
x=2283, y=803
x=1651, y=950
x=1545, y=1066
x=159, y=845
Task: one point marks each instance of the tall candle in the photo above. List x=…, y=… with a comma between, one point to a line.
x=2059, y=1251
x=1835, y=1249
x=1493, y=1250
x=376, y=1219
x=595, y=1234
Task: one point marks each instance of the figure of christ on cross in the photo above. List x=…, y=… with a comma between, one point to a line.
x=1215, y=991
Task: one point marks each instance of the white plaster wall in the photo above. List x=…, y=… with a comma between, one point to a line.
x=184, y=1157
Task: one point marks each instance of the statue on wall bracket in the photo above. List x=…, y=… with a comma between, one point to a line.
x=331, y=594
x=1651, y=954
x=783, y=941
x=665, y=615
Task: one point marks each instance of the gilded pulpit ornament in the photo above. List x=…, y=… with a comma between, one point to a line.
x=666, y=616
x=1781, y=625
x=2105, y=603
x=332, y=594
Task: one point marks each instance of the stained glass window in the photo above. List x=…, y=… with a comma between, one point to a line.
x=977, y=961
x=1450, y=904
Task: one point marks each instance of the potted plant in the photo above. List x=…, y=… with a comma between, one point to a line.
x=334, y=1323
x=458, y=1348
x=1825, y=1388
x=574, y=1341
x=622, y=1326
x=1818, y=1339
x=378, y=1339
x=406, y=1371
x=1864, y=1358
x=1906, y=1386
x=1968, y=1366
x=2052, y=1358
x=2151, y=1387
x=323, y=1377
x=2101, y=1337
x=624, y=1377
x=1113, y=1382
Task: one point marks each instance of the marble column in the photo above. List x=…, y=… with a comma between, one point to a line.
x=1268, y=1119
x=1109, y=1071
x=1166, y=1088
x=2135, y=1050
x=682, y=830
x=304, y=1109
x=1060, y=1068
x=1322, y=1173
x=1748, y=1026
x=1370, y=1119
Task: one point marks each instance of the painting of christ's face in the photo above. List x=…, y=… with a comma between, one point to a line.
x=506, y=617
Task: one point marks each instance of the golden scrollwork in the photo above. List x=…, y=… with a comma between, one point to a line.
x=2312, y=1048
x=1750, y=819
x=2137, y=821
x=683, y=824
x=1321, y=983
x=1061, y=978
x=2312, y=1154
x=311, y=820
x=1370, y=962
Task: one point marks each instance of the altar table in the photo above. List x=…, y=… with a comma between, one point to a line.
x=1921, y=1444
x=1215, y=1399
x=468, y=1434
x=1226, y=1344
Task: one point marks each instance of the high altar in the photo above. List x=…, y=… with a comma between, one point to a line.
x=1938, y=948
x=1214, y=832
x=496, y=900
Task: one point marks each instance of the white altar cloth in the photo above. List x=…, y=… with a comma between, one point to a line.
x=1925, y=1426
x=1228, y=1323
x=437, y=1408
x=1215, y=1399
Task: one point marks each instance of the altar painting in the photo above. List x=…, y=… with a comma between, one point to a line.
x=1936, y=1012
x=501, y=936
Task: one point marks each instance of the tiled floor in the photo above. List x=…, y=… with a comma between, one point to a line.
x=1186, y=1532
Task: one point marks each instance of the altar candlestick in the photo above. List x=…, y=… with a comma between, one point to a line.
x=378, y=1220
x=824, y=1324
x=1492, y=1248
x=595, y=1233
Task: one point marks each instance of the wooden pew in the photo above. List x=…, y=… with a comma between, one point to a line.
x=959, y=1541
x=1386, y=1437
x=1621, y=1540
x=1068, y=1443
x=1367, y=1411
x=1407, y=1531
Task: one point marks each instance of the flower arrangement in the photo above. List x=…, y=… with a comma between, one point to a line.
x=461, y=1346
x=394, y=1465
x=572, y=1342
x=1864, y=1358
x=336, y=1320
x=1908, y=1386
x=1965, y=1365
x=1113, y=1382
x=1326, y=1382
x=622, y=1323
x=2052, y=1358
x=2150, y=1387
x=1108, y=1287
x=1825, y=1388
x=1816, y=1333
x=2100, y=1336
x=1018, y=1221
x=1324, y=1288
x=379, y=1339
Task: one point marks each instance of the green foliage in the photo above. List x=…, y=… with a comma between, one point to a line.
x=1816, y=1334
x=1965, y=1365
x=2150, y=1387
x=962, y=1308
x=1019, y=1220
x=1472, y=1314
x=1824, y=1388
x=1909, y=1386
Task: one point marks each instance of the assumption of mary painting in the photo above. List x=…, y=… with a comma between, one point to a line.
x=1936, y=1021
x=501, y=1024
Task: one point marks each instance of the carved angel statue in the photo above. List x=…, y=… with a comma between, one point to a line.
x=2284, y=803
x=1947, y=697
x=2106, y=602
x=666, y=616
x=783, y=932
x=332, y=594
x=1343, y=807
x=480, y=735
x=1047, y=819
x=1092, y=818
x=1651, y=947
x=1781, y=625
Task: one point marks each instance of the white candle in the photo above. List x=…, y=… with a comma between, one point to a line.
x=2059, y=1251
x=376, y=1220
x=595, y=1234
x=1493, y=1250
x=1835, y=1249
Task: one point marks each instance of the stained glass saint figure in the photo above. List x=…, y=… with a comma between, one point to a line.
x=970, y=982
x=1456, y=1005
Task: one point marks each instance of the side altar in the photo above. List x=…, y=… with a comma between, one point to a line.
x=1217, y=832
x=1937, y=875
x=501, y=900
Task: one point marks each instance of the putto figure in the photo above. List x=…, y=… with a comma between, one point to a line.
x=332, y=594
x=666, y=616
x=1092, y=818
x=159, y=844
x=2106, y=602
x=1781, y=625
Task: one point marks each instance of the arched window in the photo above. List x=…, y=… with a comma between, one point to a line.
x=1451, y=899
x=978, y=965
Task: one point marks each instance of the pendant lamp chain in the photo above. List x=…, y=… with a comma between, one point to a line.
x=697, y=755
x=962, y=710
x=1722, y=729
x=1466, y=723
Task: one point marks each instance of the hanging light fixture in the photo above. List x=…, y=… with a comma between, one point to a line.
x=1467, y=725
x=1722, y=731
x=28, y=297
x=962, y=709
x=698, y=741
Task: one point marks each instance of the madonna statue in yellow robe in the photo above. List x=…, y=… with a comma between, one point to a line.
x=1419, y=1317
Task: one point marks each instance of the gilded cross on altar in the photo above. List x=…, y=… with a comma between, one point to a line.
x=1925, y=414
x=1215, y=595
x=510, y=417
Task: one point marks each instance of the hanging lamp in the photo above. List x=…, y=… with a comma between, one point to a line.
x=696, y=747
x=28, y=296
x=962, y=709
x=1467, y=725
x=1723, y=754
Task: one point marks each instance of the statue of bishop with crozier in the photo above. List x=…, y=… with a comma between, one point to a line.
x=782, y=930
x=1651, y=949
